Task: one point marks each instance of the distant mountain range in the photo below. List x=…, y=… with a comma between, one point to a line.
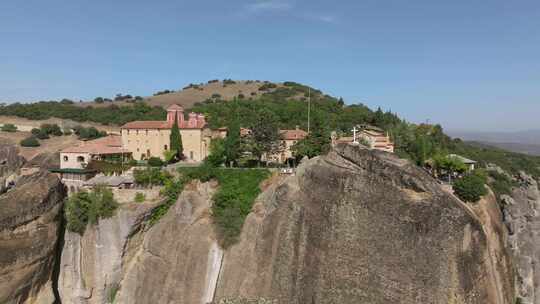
x=527, y=142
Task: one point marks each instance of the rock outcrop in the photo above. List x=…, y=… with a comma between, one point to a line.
x=354, y=226
x=30, y=222
x=92, y=265
x=522, y=216
x=359, y=226
x=10, y=163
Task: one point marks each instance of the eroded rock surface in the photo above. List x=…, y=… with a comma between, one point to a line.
x=355, y=226
x=522, y=215
x=92, y=265
x=359, y=226
x=30, y=217
x=10, y=163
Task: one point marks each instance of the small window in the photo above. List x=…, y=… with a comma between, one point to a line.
x=165, y=147
x=191, y=154
x=80, y=159
x=66, y=158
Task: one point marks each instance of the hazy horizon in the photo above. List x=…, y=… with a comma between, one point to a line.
x=468, y=66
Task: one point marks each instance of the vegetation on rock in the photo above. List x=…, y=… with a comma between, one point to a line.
x=470, y=188
x=84, y=208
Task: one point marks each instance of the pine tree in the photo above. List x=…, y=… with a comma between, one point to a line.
x=176, y=138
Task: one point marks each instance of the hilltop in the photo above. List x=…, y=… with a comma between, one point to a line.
x=192, y=94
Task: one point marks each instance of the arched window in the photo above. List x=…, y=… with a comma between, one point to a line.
x=66, y=158
x=80, y=159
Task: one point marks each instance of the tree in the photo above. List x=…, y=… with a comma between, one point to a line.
x=315, y=143
x=217, y=153
x=99, y=100
x=232, y=143
x=30, y=142
x=470, y=188
x=265, y=134
x=84, y=208
x=9, y=128
x=176, y=139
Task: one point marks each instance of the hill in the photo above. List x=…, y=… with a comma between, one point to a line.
x=529, y=149
x=193, y=93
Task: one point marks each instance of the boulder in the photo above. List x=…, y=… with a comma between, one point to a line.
x=30, y=227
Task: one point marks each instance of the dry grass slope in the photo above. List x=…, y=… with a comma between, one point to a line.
x=188, y=96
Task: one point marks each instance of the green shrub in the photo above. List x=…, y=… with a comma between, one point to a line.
x=35, y=131
x=30, y=142
x=42, y=134
x=140, y=197
x=238, y=189
x=500, y=184
x=51, y=129
x=155, y=162
x=171, y=191
x=150, y=176
x=84, y=208
x=470, y=188
x=9, y=128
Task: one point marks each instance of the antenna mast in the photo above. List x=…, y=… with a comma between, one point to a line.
x=308, y=109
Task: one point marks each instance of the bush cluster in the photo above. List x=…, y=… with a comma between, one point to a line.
x=234, y=199
x=470, y=188
x=85, y=208
x=9, y=128
x=30, y=142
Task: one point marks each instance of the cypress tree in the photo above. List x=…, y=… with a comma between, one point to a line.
x=176, y=138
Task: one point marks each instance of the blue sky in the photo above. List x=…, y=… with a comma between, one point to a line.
x=466, y=64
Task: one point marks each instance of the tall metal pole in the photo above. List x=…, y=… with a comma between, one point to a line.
x=308, y=109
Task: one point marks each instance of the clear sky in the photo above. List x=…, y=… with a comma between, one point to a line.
x=468, y=64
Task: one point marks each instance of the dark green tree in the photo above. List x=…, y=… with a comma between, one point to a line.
x=265, y=134
x=317, y=142
x=176, y=139
x=232, y=143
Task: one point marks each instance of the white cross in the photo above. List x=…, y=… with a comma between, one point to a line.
x=354, y=135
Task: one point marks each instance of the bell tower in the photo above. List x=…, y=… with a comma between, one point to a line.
x=175, y=110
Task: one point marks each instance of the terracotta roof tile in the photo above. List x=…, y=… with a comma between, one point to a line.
x=111, y=144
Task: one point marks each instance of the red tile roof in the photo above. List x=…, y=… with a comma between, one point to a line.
x=152, y=124
x=111, y=144
x=296, y=134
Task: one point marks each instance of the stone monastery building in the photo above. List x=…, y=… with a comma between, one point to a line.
x=145, y=139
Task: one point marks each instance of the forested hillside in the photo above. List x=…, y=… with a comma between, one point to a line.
x=287, y=105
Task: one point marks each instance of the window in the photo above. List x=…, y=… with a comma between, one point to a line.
x=165, y=147
x=80, y=159
x=137, y=132
x=66, y=158
x=146, y=132
x=191, y=154
x=128, y=131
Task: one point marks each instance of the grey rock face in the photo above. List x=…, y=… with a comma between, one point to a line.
x=359, y=226
x=355, y=226
x=29, y=229
x=92, y=265
x=522, y=216
x=10, y=162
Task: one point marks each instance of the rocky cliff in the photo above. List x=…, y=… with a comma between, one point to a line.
x=30, y=223
x=522, y=216
x=10, y=163
x=354, y=226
